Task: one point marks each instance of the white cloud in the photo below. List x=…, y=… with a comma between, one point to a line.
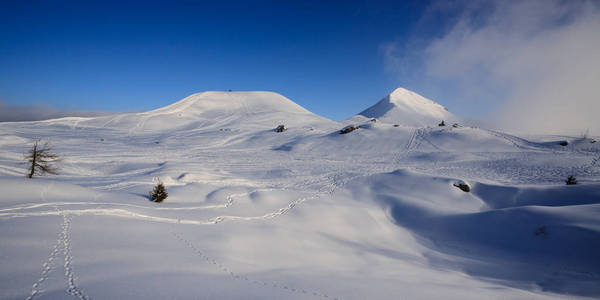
x=535, y=65
x=35, y=112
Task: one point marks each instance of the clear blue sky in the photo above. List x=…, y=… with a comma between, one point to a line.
x=136, y=56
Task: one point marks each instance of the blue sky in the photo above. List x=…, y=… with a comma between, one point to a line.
x=143, y=55
x=513, y=63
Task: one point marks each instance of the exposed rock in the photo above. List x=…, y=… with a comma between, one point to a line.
x=280, y=128
x=348, y=129
x=463, y=187
x=563, y=143
x=442, y=124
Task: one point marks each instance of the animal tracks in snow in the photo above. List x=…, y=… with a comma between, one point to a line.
x=63, y=244
x=241, y=277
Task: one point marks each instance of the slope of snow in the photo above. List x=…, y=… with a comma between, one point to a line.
x=408, y=108
x=206, y=110
x=304, y=214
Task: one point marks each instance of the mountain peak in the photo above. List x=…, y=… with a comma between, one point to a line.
x=406, y=107
x=216, y=109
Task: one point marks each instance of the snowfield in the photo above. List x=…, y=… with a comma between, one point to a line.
x=307, y=213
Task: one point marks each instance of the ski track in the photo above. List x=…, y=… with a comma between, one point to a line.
x=412, y=144
x=517, y=142
x=63, y=243
x=227, y=270
x=328, y=187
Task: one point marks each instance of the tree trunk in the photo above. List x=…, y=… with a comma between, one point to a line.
x=33, y=157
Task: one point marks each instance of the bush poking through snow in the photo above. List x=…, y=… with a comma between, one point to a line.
x=280, y=128
x=463, y=187
x=571, y=180
x=41, y=159
x=442, y=124
x=159, y=193
x=374, y=120
x=563, y=143
x=541, y=231
x=348, y=129
x=396, y=125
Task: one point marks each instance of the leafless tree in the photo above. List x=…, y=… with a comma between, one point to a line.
x=41, y=160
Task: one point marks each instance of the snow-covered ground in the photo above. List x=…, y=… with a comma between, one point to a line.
x=307, y=213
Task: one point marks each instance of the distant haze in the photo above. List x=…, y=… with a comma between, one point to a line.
x=36, y=112
x=534, y=65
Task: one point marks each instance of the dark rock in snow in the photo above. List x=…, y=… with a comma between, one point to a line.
x=463, y=187
x=348, y=129
x=280, y=128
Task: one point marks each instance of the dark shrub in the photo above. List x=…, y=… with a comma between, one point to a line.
x=396, y=125
x=571, y=180
x=373, y=120
x=563, y=143
x=348, y=129
x=442, y=124
x=159, y=193
x=280, y=128
x=463, y=187
x=541, y=231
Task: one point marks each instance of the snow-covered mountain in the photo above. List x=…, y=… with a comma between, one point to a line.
x=307, y=213
x=215, y=109
x=408, y=108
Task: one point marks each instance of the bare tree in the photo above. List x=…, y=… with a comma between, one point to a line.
x=41, y=159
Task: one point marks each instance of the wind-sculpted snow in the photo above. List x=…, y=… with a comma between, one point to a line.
x=543, y=236
x=307, y=213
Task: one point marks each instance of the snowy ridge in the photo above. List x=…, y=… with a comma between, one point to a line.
x=408, y=108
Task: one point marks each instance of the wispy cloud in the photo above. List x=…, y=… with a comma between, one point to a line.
x=535, y=65
x=36, y=112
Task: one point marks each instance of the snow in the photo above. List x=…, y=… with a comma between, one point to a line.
x=405, y=107
x=307, y=213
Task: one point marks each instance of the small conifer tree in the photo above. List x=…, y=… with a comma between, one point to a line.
x=159, y=193
x=571, y=180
